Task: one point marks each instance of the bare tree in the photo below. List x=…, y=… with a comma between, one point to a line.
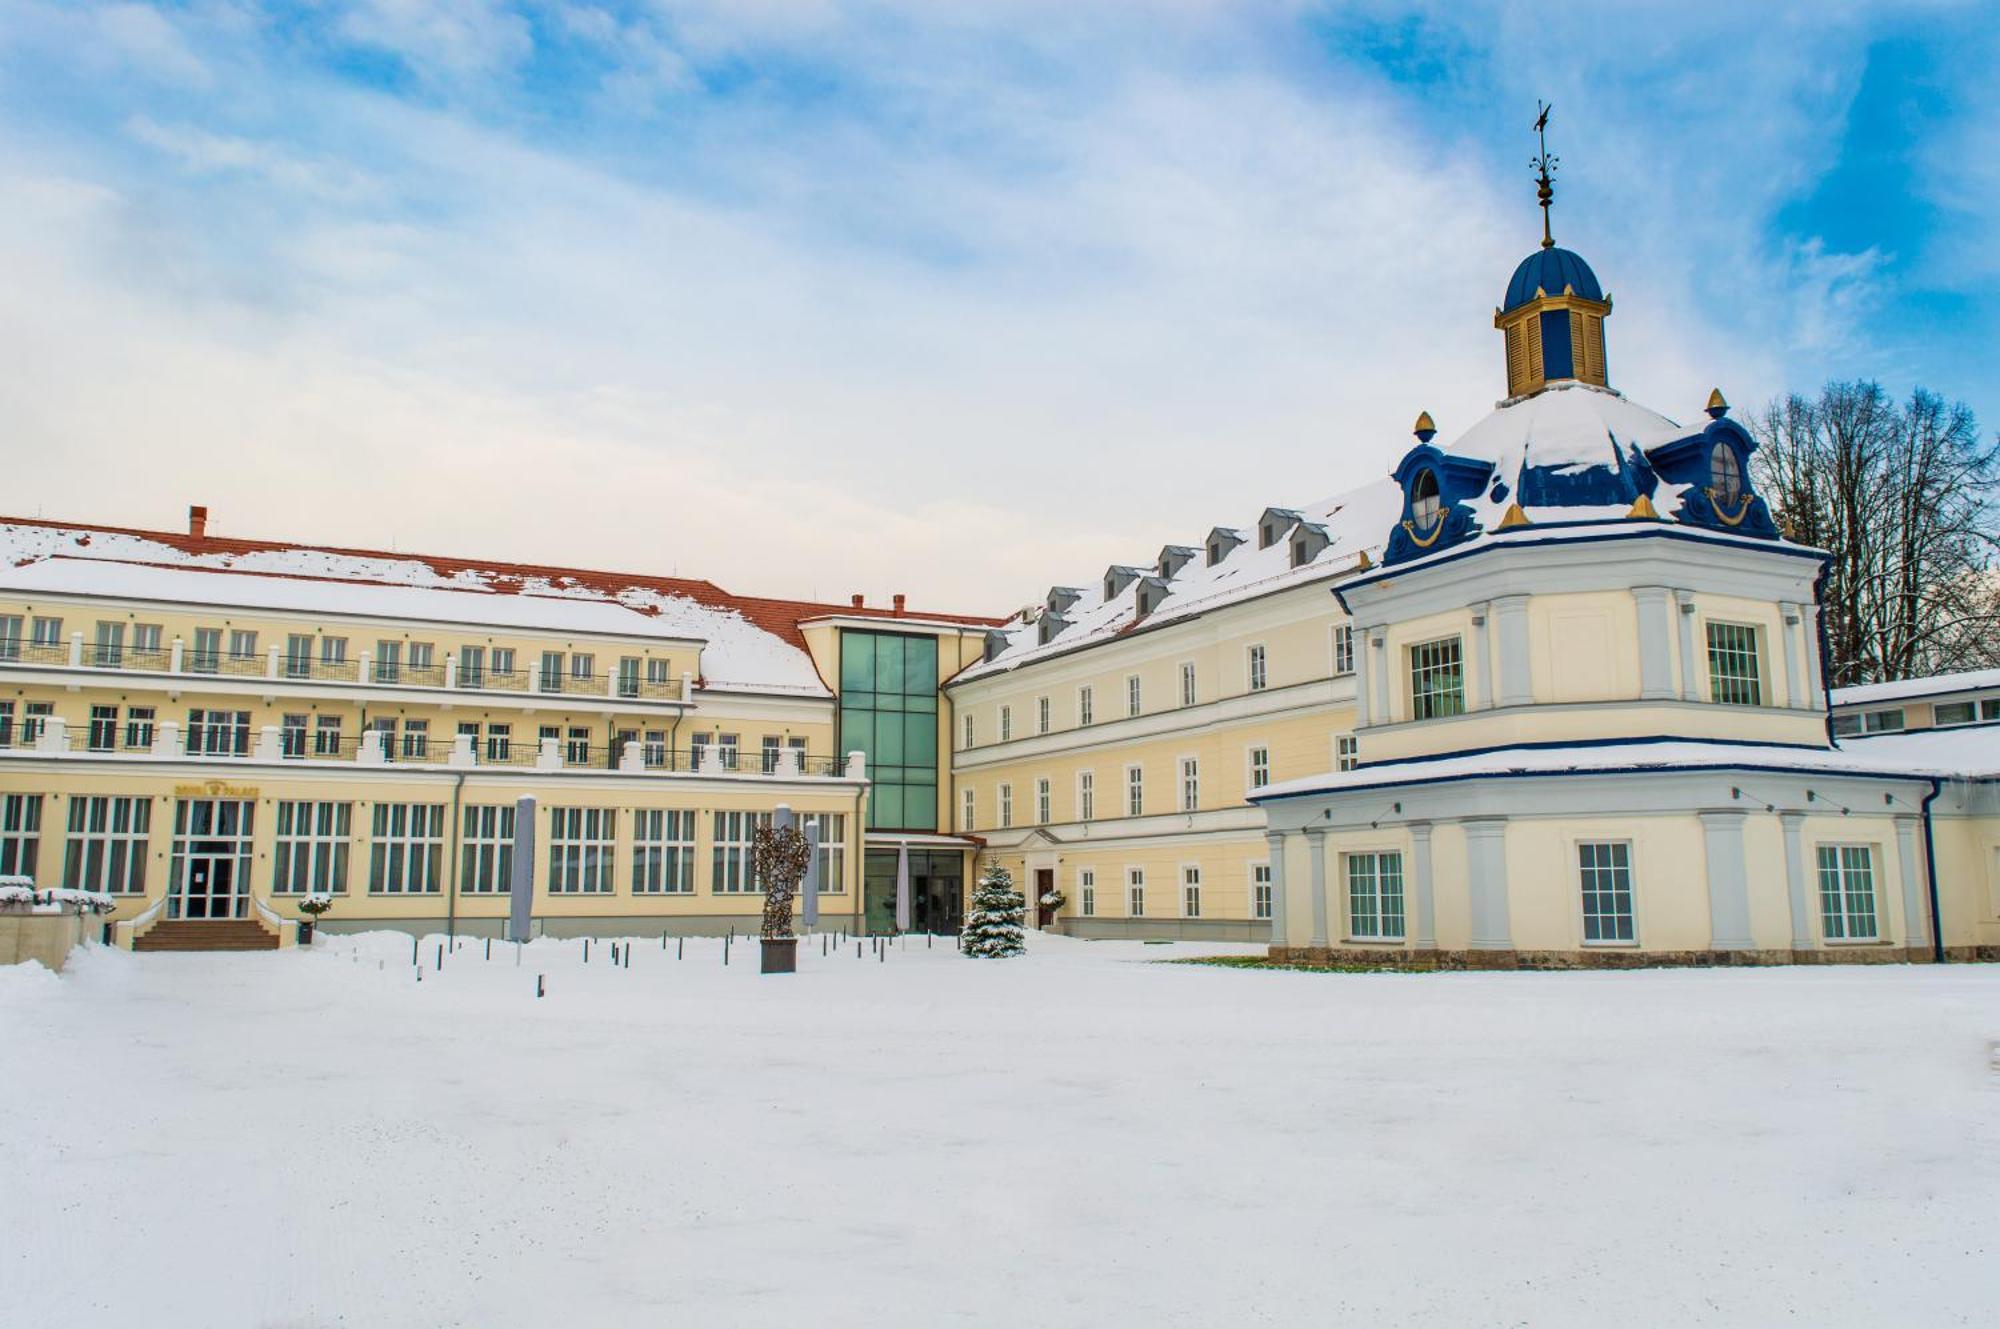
x=1903, y=500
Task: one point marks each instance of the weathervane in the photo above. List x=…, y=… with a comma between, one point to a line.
x=1544, y=163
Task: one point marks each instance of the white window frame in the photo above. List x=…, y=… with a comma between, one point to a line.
x=1041, y=715
x=969, y=803
x=1086, y=892
x=1086, y=706
x=1257, y=764
x=1346, y=752
x=1845, y=935
x=966, y=722
x=1260, y=892
x=1134, y=696
x=1135, y=790
x=1189, y=786
x=1135, y=892
x=1417, y=670
x=20, y=833
x=1044, y=801
x=1086, y=795
x=1343, y=649
x=1734, y=650
x=1588, y=885
x=1351, y=859
x=1006, y=724
x=832, y=849
x=310, y=847
x=486, y=849
x=1188, y=688
x=1256, y=667
x=1190, y=890
x=1005, y=797
x=663, y=849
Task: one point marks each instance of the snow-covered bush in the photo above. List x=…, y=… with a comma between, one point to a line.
x=993, y=927
x=1052, y=900
x=315, y=904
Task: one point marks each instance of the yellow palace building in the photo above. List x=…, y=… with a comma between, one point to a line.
x=211, y=730
x=1548, y=694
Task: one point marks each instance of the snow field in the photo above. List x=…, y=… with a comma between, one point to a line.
x=1076, y=1137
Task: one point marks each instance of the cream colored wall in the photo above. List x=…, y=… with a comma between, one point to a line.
x=1695, y=720
x=267, y=783
x=1968, y=871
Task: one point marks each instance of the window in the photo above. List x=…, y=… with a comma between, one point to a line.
x=1260, y=767
x=326, y=736
x=108, y=652
x=832, y=849
x=298, y=654
x=582, y=666
x=1042, y=801
x=146, y=638
x=1607, y=891
x=103, y=728
x=499, y=742
x=6, y=724
x=1954, y=712
x=1187, y=683
x=1733, y=677
x=889, y=713
x=1437, y=679
x=1346, y=752
x=1086, y=795
x=1086, y=893
x=1085, y=709
x=1883, y=722
x=407, y=853
x=1990, y=709
x=35, y=721
x=1132, y=695
x=388, y=661
x=1006, y=723
x=333, y=651
x=1260, y=890
x=423, y=657
x=1135, y=791
x=1343, y=648
x=472, y=666
x=10, y=636
x=1846, y=892
x=1190, y=784
x=726, y=748
x=1041, y=715
x=47, y=632
x=20, y=833
x=1258, y=677
x=576, y=747
x=773, y=744
x=206, y=657
x=486, y=859
x=969, y=815
x=966, y=724
x=292, y=735
x=242, y=645
x=1425, y=506
x=732, y=870
x=659, y=672
x=218, y=733
x=1846, y=726
x=107, y=844
x=551, y=679
x=503, y=661
x=1135, y=892
x=138, y=727
x=1190, y=891
x=580, y=849
x=310, y=853
x=1725, y=474
x=1375, y=896
x=1006, y=805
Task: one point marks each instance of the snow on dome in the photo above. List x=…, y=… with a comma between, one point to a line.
x=1572, y=452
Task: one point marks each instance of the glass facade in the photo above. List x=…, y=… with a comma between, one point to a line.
x=889, y=712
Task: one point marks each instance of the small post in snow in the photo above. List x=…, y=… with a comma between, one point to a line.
x=415, y=942
x=538, y=987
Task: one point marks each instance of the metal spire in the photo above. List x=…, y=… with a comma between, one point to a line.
x=1546, y=187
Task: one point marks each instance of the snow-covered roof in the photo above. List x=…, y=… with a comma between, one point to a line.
x=1356, y=523
x=750, y=644
x=1561, y=433
x=1938, y=685
x=1947, y=754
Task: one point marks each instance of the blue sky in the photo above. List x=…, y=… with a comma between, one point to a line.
x=810, y=298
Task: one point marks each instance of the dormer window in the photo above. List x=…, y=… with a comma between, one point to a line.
x=1271, y=527
x=1725, y=474
x=1425, y=505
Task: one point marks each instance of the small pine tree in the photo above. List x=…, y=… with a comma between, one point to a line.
x=993, y=928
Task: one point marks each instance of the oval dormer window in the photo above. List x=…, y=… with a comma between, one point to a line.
x=1725, y=474
x=1424, y=504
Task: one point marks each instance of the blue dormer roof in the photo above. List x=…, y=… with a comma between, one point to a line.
x=1550, y=270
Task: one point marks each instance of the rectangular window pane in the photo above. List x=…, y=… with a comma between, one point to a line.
x=1606, y=878
x=1437, y=679
x=1733, y=676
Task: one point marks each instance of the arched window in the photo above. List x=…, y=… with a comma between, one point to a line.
x=1424, y=504
x=1725, y=474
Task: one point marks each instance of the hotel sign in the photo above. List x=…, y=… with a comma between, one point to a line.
x=215, y=789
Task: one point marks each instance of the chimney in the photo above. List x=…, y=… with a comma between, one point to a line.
x=855, y=601
x=897, y=601
x=197, y=521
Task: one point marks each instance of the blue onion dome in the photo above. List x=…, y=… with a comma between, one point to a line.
x=1550, y=270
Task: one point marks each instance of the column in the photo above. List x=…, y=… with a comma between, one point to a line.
x=1795, y=880
x=1277, y=843
x=1728, y=882
x=1517, y=683
x=1378, y=667
x=1809, y=628
x=1656, y=642
x=1486, y=864
x=1482, y=658
x=1423, y=909
x=1364, y=671
x=1795, y=683
x=1684, y=601
x=1316, y=846
x=1916, y=896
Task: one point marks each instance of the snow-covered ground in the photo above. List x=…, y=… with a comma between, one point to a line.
x=1075, y=1138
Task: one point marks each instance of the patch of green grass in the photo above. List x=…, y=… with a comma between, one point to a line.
x=1259, y=962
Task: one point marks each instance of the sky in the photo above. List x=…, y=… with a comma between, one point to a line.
x=811, y=298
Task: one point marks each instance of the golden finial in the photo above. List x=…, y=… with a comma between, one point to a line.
x=1643, y=510
x=1515, y=517
x=1424, y=429
x=1717, y=407
x=1544, y=164
x=1363, y=563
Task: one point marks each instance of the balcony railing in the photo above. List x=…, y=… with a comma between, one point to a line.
x=51, y=736
x=278, y=664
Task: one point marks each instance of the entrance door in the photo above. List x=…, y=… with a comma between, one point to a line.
x=210, y=889
x=1045, y=882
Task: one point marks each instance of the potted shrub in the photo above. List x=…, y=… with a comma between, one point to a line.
x=313, y=906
